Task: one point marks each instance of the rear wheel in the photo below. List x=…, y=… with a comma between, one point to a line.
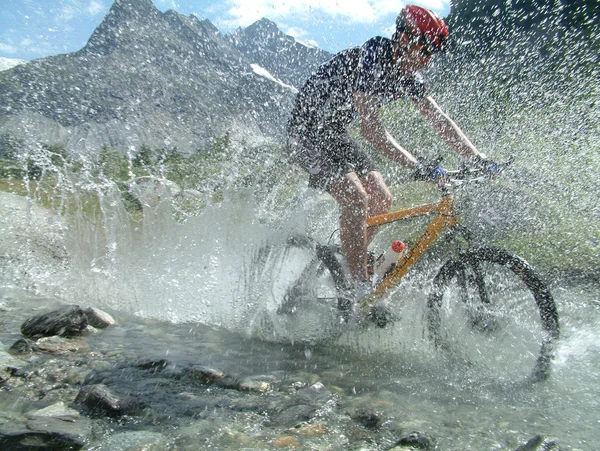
x=490, y=309
x=308, y=283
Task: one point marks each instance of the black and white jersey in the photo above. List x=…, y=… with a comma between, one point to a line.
x=326, y=100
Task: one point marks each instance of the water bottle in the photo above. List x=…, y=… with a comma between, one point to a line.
x=388, y=258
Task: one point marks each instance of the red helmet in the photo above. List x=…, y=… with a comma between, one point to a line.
x=424, y=25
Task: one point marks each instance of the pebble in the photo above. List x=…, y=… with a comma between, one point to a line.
x=309, y=429
x=255, y=386
x=286, y=441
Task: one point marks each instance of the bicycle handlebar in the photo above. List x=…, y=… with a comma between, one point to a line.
x=482, y=172
x=467, y=174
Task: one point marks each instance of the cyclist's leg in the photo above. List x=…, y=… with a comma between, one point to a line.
x=336, y=164
x=360, y=192
x=380, y=198
x=352, y=197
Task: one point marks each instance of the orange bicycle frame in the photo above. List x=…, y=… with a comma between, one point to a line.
x=444, y=217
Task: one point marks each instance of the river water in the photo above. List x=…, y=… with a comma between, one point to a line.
x=206, y=291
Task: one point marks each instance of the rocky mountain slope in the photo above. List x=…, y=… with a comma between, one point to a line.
x=284, y=57
x=155, y=79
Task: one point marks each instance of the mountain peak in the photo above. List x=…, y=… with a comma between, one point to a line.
x=133, y=5
x=263, y=25
x=119, y=20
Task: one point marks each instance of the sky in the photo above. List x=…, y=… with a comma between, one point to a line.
x=37, y=28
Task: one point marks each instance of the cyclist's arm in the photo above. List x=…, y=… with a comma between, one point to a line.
x=446, y=128
x=374, y=132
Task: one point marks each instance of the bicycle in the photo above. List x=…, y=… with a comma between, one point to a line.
x=466, y=293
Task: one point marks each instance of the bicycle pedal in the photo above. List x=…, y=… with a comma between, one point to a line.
x=371, y=259
x=380, y=315
x=345, y=306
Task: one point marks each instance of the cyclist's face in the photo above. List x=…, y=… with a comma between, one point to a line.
x=414, y=57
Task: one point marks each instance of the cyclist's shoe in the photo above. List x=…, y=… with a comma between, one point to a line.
x=371, y=259
x=363, y=288
x=380, y=315
x=345, y=306
x=484, y=319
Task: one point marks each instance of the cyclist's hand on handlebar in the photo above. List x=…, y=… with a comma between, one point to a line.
x=489, y=166
x=482, y=166
x=429, y=172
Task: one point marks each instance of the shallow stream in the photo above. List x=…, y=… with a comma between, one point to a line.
x=195, y=294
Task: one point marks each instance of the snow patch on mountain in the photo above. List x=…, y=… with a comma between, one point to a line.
x=259, y=70
x=7, y=63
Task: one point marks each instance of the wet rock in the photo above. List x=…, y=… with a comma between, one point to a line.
x=45, y=433
x=250, y=385
x=99, y=400
x=153, y=365
x=23, y=346
x=5, y=358
x=285, y=441
x=89, y=330
x=205, y=375
x=255, y=404
x=538, y=443
x=228, y=381
x=67, y=321
x=368, y=418
x=134, y=441
x=62, y=393
x=317, y=387
x=60, y=345
x=58, y=410
x=18, y=372
x=309, y=430
x=292, y=416
x=99, y=319
x=416, y=440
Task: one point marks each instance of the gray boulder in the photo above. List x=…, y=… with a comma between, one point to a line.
x=68, y=321
x=53, y=428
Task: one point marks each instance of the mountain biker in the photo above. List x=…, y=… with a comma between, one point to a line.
x=357, y=82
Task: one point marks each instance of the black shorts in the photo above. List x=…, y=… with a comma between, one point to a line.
x=328, y=155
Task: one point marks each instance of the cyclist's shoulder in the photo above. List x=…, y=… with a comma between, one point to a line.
x=377, y=42
x=376, y=48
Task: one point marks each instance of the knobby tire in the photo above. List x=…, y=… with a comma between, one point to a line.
x=469, y=271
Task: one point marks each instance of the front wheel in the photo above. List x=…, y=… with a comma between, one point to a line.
x=489, y=308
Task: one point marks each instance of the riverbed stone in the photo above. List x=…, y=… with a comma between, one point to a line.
x=368, y=418
x=134, y=441
x=205, y=375
x=45, y=433
x=23, y=346
x=285, y=441
x=98, y=318
x=60, y=345
x=228, y=381
x=58, y=410
x=99, y=400
x=255, y=386
x=67, y=321
x=417, y=440
x=309, y=429
x=153, y=365
x=292, y=415
x=538, y=443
